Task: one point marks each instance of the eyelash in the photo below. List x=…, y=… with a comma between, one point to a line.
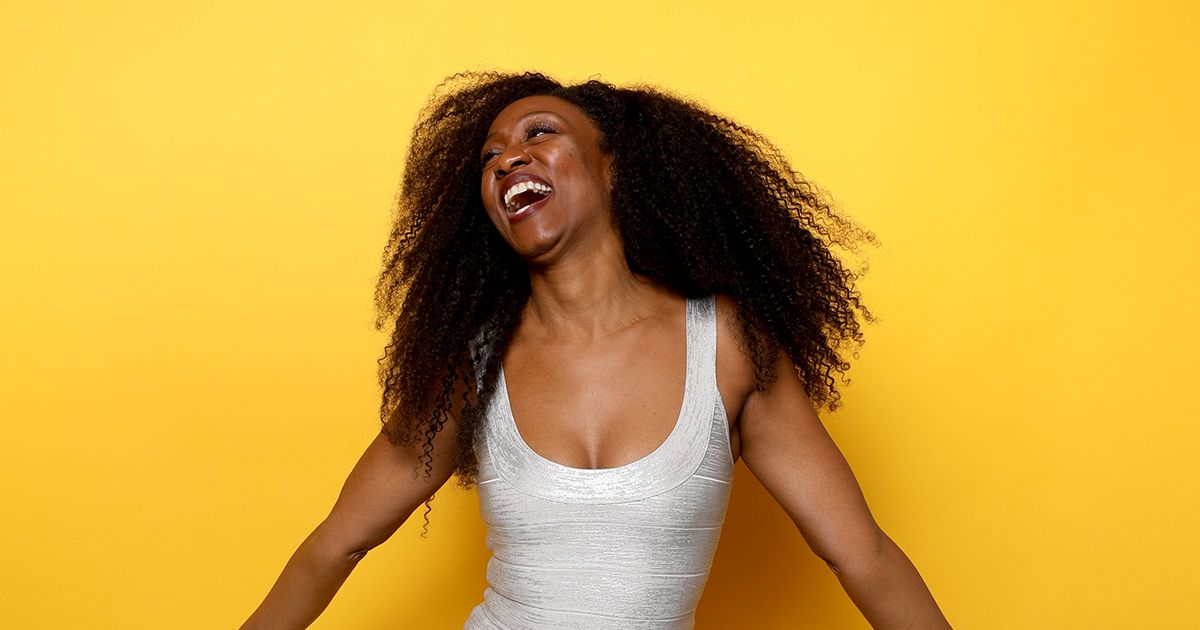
x=532, y=128
x=538, y=125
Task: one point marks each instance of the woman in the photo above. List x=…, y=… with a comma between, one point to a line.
x=602, y=298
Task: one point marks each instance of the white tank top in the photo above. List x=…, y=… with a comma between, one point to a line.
x=624, y=547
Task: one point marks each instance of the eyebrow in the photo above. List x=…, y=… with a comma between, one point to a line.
x=540, y=111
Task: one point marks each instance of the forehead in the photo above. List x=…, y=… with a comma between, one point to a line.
x=520, y=108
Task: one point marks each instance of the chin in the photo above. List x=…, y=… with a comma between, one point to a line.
x=541, y=250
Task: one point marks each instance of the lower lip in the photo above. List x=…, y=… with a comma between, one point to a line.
x=533, y=207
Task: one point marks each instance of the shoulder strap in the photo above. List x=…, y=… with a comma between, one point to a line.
x=479, y=355
x=702, y=335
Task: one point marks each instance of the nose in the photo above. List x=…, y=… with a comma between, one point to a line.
x=511, y=159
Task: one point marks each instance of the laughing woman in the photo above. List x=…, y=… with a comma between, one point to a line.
x=600, y=299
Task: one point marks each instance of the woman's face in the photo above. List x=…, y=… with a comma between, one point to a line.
x=545, y=180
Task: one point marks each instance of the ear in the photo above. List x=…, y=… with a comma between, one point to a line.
x=606, y=162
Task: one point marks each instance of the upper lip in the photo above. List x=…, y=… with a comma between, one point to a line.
x=512, y=179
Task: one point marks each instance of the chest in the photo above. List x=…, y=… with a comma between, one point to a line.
x=597, y=406
x=608, y=404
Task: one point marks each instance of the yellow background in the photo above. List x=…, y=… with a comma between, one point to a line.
x=195, y=197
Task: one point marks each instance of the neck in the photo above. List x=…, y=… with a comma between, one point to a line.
x=588, y=296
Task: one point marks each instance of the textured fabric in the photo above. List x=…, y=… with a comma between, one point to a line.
x=624, y=547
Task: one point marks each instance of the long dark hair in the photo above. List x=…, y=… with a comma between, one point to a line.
x=702, y=203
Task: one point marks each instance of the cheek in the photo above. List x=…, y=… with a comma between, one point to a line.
x=585, y=166
x=485, y=192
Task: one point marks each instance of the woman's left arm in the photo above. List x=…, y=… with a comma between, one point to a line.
x=785, y=445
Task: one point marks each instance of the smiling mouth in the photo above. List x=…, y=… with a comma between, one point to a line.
x=522, y=195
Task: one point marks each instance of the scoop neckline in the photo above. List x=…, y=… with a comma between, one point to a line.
x=681, y=417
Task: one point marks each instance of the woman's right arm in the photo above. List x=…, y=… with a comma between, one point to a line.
x=381, y=492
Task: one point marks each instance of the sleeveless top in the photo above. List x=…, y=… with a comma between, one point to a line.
x=624, y=547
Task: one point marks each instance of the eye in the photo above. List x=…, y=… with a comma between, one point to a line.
x=535, y=129
x=538, y=127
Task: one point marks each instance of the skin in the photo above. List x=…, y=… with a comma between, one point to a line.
x=592, y=328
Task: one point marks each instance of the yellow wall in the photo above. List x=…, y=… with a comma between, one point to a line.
x=195, y=196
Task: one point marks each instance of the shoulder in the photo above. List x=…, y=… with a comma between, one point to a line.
x=735, y=368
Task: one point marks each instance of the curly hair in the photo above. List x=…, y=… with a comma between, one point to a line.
x=703, y=204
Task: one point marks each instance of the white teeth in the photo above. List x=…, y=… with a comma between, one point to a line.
x=521, y=187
